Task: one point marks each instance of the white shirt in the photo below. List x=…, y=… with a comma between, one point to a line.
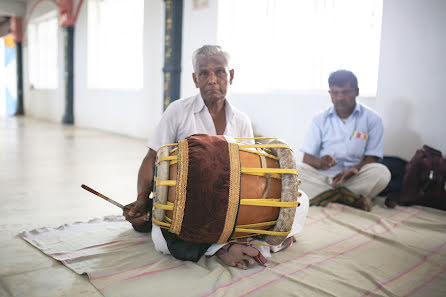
x=185, y=117
x=188, y=116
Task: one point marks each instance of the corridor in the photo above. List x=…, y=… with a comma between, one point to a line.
x=42, y=166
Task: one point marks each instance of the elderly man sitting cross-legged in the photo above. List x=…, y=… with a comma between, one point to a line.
x=208, y=112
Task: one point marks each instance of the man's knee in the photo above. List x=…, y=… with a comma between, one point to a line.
x=305, y=171
x=380, y=173
x=385, y=175
x=300, y=166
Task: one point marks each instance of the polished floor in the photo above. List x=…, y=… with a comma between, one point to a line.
x=42, y=166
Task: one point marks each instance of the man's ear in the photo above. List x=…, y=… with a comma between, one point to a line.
x=194, y=77
x=357, y=92
x=231, y=76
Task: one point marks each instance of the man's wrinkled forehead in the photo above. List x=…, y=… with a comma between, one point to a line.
x=217, y=60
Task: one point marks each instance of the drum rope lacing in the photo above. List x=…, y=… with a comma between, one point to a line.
x=267, y=172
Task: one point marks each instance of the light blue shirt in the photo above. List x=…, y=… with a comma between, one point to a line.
x=347, y=140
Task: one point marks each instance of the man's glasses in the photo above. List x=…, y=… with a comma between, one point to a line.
x=343, y=93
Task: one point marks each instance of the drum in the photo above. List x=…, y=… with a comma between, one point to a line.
x=213, y=189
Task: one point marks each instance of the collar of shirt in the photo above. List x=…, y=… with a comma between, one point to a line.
x=357, y=110
x=199, y=106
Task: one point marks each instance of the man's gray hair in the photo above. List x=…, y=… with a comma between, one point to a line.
x=207, y=51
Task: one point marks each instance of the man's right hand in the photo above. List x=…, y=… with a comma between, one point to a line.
x=139, y=214
x=326, y=162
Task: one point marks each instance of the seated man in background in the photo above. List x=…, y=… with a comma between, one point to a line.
x=208, y=112
x=341, y=149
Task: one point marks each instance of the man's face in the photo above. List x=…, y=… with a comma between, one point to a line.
x=212, y=77
x=344, y=99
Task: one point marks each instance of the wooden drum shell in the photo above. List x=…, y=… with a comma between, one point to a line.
x=251, y=187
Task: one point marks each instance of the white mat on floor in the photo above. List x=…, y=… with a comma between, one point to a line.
x=341, y=252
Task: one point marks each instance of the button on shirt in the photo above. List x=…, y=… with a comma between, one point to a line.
x=188, y=116
x=347, y=140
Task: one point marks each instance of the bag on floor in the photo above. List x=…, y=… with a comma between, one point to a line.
x=424, y=181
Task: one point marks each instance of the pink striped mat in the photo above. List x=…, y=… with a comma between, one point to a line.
x=341, y=252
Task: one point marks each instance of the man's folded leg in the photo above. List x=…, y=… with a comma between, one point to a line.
x=315, y=184
x=370, y=180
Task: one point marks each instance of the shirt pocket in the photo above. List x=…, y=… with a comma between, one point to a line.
x=356, y=147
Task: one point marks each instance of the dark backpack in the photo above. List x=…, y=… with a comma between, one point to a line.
x=397, y=168
x=423, y=182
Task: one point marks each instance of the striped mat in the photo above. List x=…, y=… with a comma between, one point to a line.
x=341, y=252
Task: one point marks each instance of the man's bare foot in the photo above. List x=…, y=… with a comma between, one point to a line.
x=364, y=203
x=239, y=255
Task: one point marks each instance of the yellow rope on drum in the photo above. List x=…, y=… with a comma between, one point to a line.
x=163, y=206
x=266, y=232
x=255, y=231
x=168, y=158
x=251, y=202
x=166, y=182
x=167, y=145
x=255, y=138
x=239, y=228
x=269, y=170
x=242, y=236
x=268, y=202
x=173, y=150
x=270, y=223
x=274, y=175
x=265, y=146
x=159, y=223
x=259, y=153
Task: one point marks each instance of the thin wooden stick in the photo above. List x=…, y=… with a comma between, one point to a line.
x=102, y=196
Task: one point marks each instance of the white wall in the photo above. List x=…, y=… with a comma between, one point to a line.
x=2, y=79
x=411, y=81
x=45, y=104
x=282, y=114
x=133, y=113
x=199, y=28
x=412, y=76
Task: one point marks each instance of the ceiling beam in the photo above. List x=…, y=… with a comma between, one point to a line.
x=12, y=8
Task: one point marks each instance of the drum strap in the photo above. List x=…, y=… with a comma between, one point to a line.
x=180, y=188
x=267, y=175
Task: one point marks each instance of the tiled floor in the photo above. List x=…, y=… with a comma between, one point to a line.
x=42, y=166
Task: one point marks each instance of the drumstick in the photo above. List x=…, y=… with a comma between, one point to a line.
x=102, y=196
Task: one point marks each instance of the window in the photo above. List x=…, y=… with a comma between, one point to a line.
x=115, y=44
x=42, y=51
x=295, y=45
